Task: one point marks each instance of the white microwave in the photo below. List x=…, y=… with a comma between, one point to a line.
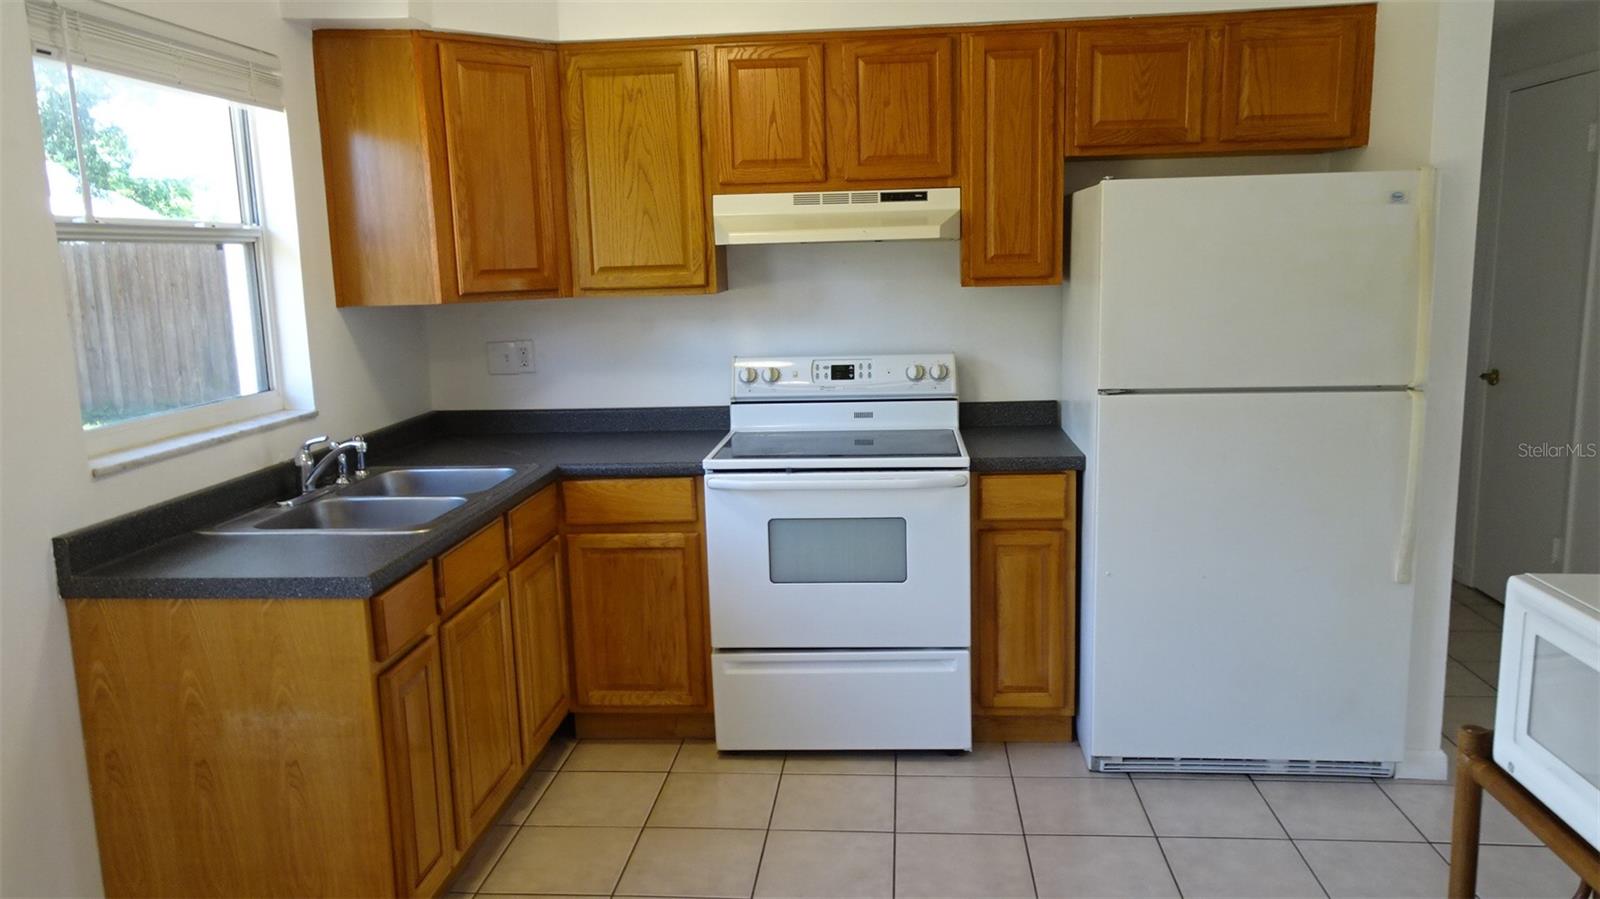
x=1547, y=711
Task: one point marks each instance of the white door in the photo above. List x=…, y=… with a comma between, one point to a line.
x=1541, y=259
x=836, y=559
x=1259, y=281
x=1245, y=605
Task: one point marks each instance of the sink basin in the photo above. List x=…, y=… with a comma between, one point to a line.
x=429, y=482
x=395, y=515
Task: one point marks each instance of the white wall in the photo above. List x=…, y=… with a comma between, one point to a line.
x=1543, y=32
x=366, y=374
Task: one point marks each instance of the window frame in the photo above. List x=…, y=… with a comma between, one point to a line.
x=251, y=234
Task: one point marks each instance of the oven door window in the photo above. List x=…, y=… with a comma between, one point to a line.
x=836, y=550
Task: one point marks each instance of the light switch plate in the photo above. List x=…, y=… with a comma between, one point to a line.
x=510, y=357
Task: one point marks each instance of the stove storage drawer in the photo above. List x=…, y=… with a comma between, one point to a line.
x=878, y=699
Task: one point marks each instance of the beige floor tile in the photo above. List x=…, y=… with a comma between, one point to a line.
x=1475, y=646
x=1355, y=870
x=1100, y=868
x=1485, y=670
x=1239, y=869
x=839, y=763
x=1459, y=710
x=693, y=863
x=1486, y=606
x=482, y=861
x=1051, y=760
x=597, y=799
x=555, y=753
x=1081, y=805
x=985, y=760
x=516, y=811
x=1337, y=811
x=1431, y=806
x=956, y=805
x=702, y=757
x=1520, y=872
x=799, y=864
x=957, y=866
x=622, y=755
x=834, y=802
x=582, y=861
x=1207, y=808
x=1460, y=681
x=1463, y=618
x=715, y=800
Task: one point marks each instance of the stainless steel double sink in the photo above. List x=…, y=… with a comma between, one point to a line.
x=395, y=501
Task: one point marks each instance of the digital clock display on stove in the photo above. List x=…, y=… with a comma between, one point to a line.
x=841, y=372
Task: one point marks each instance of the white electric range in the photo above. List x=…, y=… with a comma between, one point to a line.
x=838, y=551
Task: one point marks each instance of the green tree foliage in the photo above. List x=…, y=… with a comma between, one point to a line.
x=105, y=148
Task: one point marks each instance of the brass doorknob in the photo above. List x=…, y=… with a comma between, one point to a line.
x=1492, y=376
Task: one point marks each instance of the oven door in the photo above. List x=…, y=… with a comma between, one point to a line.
x=863, y=560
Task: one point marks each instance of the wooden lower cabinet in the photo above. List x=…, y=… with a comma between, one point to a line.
x=638, y=620
x=481, y=699
x=416, y=759
x=538, y=616
x=1024, y=606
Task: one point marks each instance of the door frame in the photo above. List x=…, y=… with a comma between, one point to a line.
x=1482, y=312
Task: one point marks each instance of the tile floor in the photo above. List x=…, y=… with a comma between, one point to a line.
x=678, y=819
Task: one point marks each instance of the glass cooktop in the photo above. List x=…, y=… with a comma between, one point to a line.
x=909, y=443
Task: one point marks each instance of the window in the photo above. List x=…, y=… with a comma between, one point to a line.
x=154, y=183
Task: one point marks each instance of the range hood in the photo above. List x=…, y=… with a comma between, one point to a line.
x=833, y=216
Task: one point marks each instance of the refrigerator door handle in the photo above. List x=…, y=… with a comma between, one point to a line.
x=1405, y=550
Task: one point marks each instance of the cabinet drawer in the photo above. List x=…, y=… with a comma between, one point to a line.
x=472, y=564
x=1024, y=497
x=533, y=522
x=401, y=613
x=630, y=501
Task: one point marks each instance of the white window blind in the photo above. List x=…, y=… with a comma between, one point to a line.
x=101, y=36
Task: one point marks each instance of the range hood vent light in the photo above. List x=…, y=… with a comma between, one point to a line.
x=834, y=216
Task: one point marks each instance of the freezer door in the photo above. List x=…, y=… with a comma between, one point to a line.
x=1245, y=605
x=1262, y=281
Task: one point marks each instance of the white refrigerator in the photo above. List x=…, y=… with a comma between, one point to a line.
x=1241, y=368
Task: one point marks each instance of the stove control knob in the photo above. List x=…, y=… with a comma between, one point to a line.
x=747, y=375
x=771, y=375
x=916, y=372
x=940, y=371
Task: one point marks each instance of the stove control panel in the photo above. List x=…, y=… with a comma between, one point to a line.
x=777, y=378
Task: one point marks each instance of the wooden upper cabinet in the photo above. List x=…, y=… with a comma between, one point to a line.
x=893, y=110
x=417, y=763
x=1011, y=199
x=481, y=701
x=1305, y=79
x=638, y=620
x=634, y=170
x=442, y=166
x=507, y=194
x=767, y=118
x=1136, y=86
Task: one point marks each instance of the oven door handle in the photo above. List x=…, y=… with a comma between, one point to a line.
x=945, y=480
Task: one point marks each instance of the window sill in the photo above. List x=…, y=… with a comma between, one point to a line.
x=109, y=464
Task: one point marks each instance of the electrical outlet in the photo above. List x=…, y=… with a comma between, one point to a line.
x=510, y=357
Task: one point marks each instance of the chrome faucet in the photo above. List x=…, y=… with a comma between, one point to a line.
x=311, y=469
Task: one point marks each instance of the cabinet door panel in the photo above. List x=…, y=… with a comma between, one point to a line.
x=539, y=617
x=638, y=620
x=1022, y=649
x=768, y=116
x=480, y=695
x=1011, y=201
x=894, y=111
x=633, y=148
x=1137, y=86
x=1287, y=79
x=502, y=137
x=417, y=764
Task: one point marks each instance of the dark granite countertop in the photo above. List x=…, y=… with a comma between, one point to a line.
x=160, y=553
